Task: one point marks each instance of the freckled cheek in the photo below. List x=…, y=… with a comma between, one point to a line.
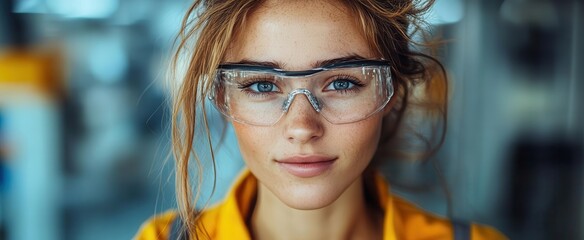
x=364, y=141
x=254, y=142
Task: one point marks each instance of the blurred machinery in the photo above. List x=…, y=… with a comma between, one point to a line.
x=31, y=87
x=84, y=116
x=542, y=39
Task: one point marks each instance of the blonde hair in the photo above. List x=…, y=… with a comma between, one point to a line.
x=210, y=25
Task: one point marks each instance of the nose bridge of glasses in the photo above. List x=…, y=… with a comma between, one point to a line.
x=309, y=96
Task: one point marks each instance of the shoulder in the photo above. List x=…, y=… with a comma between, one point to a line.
x=224, y=220
x=157, y=227
x=416, y=223
x=480, y=232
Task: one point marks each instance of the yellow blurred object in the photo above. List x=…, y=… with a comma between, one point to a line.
x=40, y=70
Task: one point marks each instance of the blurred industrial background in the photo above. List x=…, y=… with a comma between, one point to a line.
x=84, y=123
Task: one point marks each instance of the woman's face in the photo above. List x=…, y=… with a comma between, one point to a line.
x=303, y=159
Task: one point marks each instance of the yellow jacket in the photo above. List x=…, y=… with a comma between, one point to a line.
x=403, y=220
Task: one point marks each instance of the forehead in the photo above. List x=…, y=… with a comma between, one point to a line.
x=296, y=34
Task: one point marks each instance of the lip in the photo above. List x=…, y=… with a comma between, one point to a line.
x=306, y=166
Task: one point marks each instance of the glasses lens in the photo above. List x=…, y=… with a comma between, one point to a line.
x=344, y=95
x=251, y=97
x=355, y=94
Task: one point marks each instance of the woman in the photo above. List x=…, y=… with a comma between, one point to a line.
x=315, y=91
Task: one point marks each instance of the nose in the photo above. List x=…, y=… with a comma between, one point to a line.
x=302, y=123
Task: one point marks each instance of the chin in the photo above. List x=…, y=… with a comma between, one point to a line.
x=308, y=197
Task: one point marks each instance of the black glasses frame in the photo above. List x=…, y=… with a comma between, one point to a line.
x=280, y=72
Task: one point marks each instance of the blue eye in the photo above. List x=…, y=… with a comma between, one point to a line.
x=263, y=87
x=340, y=85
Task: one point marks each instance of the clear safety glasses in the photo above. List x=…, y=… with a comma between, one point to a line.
x=342, y=92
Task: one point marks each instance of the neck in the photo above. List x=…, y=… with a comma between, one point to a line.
x=348, y=217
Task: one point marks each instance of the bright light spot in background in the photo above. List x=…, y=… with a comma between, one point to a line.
x=83, y=8
x=29, y=6
x=132, y=11
x=441, y=13
x=445, y=12
x=164, y=25
x=107, y=59
x=167, y=20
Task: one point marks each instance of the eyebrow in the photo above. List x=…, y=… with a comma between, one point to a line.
x=317, y=64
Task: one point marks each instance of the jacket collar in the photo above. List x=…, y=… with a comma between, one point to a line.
x=241, y=198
